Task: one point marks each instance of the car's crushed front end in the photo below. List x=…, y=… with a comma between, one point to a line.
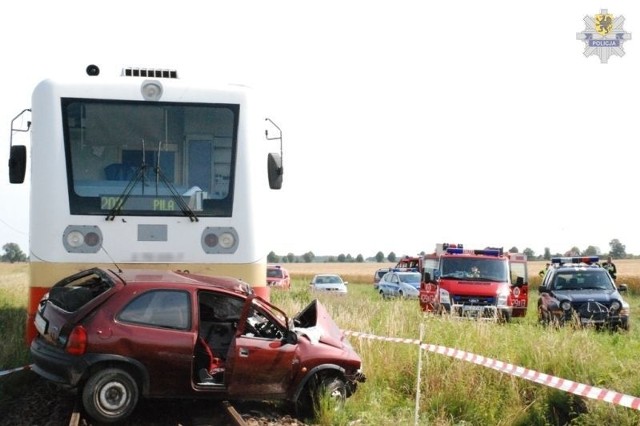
x=326, y=340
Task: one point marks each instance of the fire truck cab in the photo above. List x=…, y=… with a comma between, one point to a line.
x=480, y=284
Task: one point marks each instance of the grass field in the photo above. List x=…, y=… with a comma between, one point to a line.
x=452, y=392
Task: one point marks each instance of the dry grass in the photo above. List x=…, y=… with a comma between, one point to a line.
x=358, y=273
x=14, y=284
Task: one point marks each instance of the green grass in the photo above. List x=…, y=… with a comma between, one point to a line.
x=455, y=392
x=452, y=392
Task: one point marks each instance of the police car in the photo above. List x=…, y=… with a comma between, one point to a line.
x=578, y=290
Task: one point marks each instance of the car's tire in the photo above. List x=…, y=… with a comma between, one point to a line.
x=543, y=317
x=319, y=391
x=332, y=389
x=401, y=294
x=110, y=395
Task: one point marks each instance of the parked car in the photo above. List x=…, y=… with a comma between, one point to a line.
x=278, y=277
x=378, y=275
x=400, y=284
x=332, y=283
x=119, y=336
x=577, y=290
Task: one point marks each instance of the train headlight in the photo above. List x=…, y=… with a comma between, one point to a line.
x=220, y=240
x=227, y=240
x=82, y=239
x=151, y=90
x=74, y=239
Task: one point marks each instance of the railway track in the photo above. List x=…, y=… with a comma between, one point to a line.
x=33, y=400
x=195, y=413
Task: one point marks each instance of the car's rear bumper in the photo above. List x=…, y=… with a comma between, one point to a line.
x=56, y=365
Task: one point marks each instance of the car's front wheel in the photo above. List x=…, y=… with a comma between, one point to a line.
x=322, y=394
x=110, y=395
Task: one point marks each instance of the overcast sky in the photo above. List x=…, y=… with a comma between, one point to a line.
x=405, y=123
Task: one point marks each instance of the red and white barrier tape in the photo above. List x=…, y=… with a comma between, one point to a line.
x=14, y=370
x=580, y=389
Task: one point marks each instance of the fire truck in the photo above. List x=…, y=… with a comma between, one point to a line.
x=479, y=284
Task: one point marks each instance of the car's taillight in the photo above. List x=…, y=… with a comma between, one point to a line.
x=77, y=343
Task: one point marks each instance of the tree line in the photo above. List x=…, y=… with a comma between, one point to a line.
x=617, y=250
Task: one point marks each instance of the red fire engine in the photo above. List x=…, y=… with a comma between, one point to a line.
x=480, y=284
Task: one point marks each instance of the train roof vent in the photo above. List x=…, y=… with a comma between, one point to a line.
x=149, y=72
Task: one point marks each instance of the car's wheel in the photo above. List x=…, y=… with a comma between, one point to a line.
x=329, y=393
x=400, y=293
x=110, y=395
x=543, y=316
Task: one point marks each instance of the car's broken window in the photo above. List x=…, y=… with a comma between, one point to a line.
x=261, y=324
x=70, y=295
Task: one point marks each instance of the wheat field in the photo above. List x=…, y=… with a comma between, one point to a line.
x=363, y=272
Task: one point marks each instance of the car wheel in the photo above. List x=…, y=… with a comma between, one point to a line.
x=110, y=395
x=400, y=293
x=330, y=393
x=544, y=317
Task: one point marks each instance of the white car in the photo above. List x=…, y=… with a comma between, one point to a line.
x=332, y=283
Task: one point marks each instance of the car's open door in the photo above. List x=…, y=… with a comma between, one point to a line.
x=261, y=361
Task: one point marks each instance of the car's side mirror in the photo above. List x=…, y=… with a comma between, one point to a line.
x=543, y=289
x=622, y=287
x=290, y=337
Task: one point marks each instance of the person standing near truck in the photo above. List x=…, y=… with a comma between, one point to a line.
x=611, y=267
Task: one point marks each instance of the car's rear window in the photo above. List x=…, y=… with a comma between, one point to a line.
x=74, y=294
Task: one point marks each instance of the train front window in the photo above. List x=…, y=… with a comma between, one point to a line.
x=136, y=158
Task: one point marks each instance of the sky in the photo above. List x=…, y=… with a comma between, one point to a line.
x=405, y=123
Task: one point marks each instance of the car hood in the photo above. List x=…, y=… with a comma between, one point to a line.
x=587, y=295
x=316, y=324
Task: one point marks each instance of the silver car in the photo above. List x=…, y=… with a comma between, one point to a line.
x=331, y=283
x=400, y=284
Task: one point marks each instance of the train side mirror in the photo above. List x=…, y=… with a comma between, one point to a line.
x=275, y=170
x=17, y=163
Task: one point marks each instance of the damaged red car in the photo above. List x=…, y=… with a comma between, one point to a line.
x=119, y=336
